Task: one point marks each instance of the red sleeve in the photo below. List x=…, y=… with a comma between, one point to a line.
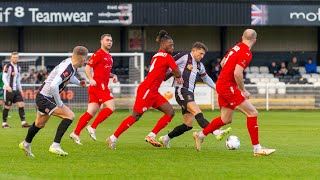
x=244, y=59
x=172, y=63
x=93, y=60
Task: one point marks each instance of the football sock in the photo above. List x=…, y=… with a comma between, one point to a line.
x=62, y=128
x=103, y=114
x=257, y=147
x=32, y=131
x=201, y=120
x=177, y=131
x=216, y=132
x=5, y=114
x=217, y=123
x=124, y=126
x=83, y=121
x=21, y=113
x=152, y=134
x=113, y=138
x=166, y=138
x=252, y=126
x=163, y=121
x=23, y=122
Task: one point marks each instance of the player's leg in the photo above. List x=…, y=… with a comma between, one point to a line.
x=178, y=130
x=103, y=115
x=217, y=123
x=163, y=105
x=19, y=100
x=125, y=124
x=93, y=107
x=250, y=111
x=7, y=105
x=141, y=104
x=40, y=122
x=67, y=117
x=83, y=121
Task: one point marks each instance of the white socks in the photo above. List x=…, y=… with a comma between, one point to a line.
x=216, y=132
x=23, y=122
x=4, y=123
x=54, y=144
x=113, y=138
x=152, y=134
x=257, y=147
x=201, y=135
x=166, y=138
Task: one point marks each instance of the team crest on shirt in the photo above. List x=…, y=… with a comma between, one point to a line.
x=190, y=67
x=66, y=73
x=12, y=74
x=189, y=97
x=244, y=62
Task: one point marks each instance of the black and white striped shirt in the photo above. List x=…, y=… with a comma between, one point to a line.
x=11, y=77
x=58, y=79
x=189, y=69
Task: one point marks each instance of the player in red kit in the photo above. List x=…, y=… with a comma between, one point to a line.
x=232, y=94
x=148, y=95
x=101, y=63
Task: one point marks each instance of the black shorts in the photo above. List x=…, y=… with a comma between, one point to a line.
x=183, y=96
x=12, y=97
x=45, y=104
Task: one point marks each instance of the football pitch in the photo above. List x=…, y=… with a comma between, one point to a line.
x=294, y=134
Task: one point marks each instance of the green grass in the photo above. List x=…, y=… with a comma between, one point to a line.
x=295, y=135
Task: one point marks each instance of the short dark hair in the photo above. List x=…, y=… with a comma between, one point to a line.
x=80, y=51
x=104, y=35
x=14, y=53
x=200, y=45
x=162, y=36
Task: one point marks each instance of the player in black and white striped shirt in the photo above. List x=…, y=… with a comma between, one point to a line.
x=12, y=90
x=190, y=67
x=49, y=103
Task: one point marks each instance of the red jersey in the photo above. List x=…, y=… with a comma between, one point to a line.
x=239, y=54
x=101, y=62
x=159, y=65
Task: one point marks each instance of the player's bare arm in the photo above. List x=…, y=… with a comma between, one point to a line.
x=223, y=62
x=168, y=76
x=238, y=76
x=114, y=77
x=87, y=70
x=177, y=75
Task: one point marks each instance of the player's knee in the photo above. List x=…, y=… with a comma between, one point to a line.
x=70, y=116
x=112, y=108
x=40, y=124
x=170, y=113
x=253, y=113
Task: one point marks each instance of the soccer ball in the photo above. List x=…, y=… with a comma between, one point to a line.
x=233, y=143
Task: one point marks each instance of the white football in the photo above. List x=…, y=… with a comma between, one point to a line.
x=233, y=143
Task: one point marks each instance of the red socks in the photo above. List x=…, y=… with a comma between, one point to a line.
x=83, y=121
x=214, y=125
x=103, y=114
x=124, y=126
x=163, y=121
x=252, y=126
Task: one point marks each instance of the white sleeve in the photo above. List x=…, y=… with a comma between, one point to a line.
x=19, y=80
x=5, y=78
x=208, y=81
x=55, y=89
x=74, y=80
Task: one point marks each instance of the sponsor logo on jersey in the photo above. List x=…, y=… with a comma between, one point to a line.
x=160, y=54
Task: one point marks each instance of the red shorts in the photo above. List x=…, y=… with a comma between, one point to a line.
x=146, y=99
x=98, y=95
x=229, y=96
